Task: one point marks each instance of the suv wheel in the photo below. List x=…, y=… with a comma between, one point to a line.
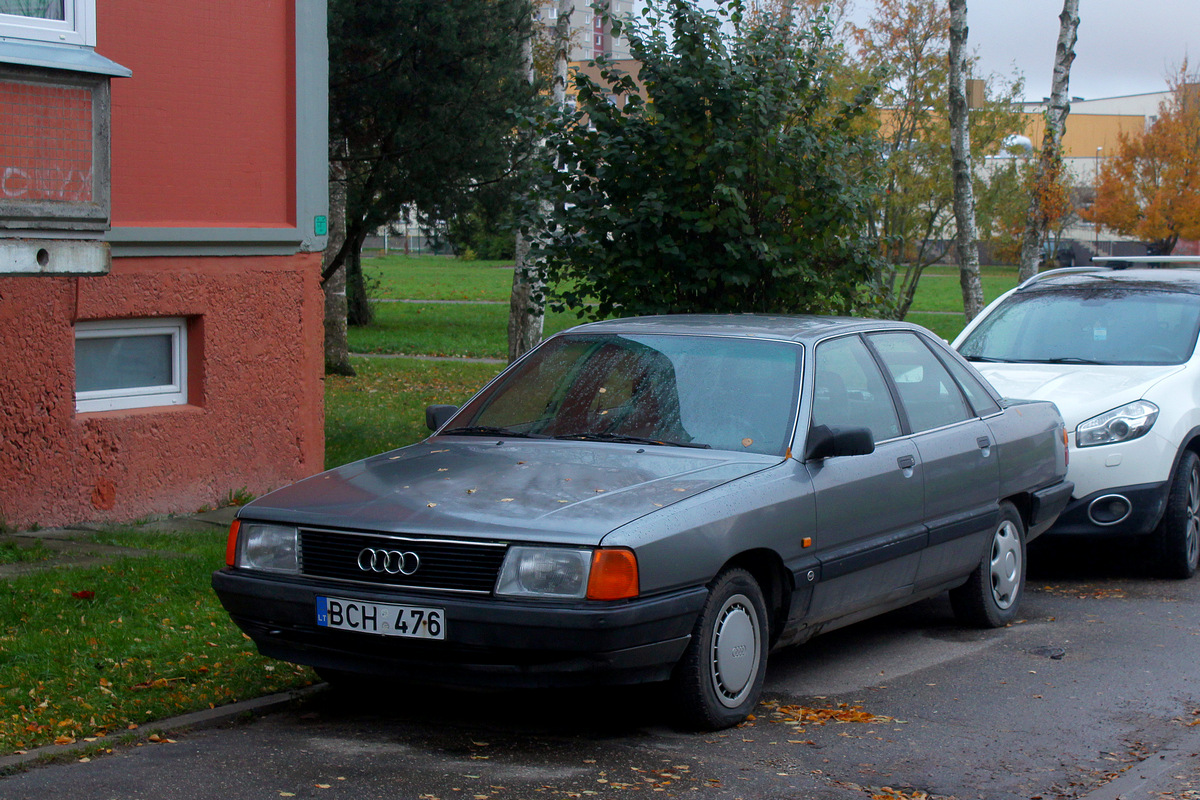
x=1177, y=538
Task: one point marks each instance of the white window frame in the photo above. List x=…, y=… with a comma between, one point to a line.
x=79, y=27
x=171, y=394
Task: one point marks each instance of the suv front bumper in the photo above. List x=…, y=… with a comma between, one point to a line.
x=1100, y=513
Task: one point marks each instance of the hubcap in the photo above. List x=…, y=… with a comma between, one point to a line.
x=1191, y=540
x=1006, y=564
x=734, y=650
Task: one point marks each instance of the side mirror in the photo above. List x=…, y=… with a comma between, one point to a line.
x=438, y=415
x=825, y=442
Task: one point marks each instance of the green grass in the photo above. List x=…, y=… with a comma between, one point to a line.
x=443, y=329
x=940, y=290
x=438, y=278
x=13, y=553
x=383, y=407
x=94, y=652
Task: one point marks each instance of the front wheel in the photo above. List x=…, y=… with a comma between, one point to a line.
x=990, y=597
x=1177, y=538
x=717, y=682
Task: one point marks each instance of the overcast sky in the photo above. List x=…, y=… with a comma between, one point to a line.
x=1124, y=47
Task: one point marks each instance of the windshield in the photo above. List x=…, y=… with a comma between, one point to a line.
x=697, y=391
x=1088, y=325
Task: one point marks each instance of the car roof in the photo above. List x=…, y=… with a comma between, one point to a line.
x=1169, y=280
x=781, y=327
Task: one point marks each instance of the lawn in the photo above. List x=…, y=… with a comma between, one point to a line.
x=437, y=278
x=443, y=329
x=92, y=653
x=383, y=406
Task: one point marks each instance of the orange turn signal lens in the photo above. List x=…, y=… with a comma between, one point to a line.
x=231, y=542
x=614, y=575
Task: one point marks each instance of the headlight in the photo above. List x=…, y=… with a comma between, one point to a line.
x=544, y=572
x=1119, y=425
x=566, y=573
x=267, y=547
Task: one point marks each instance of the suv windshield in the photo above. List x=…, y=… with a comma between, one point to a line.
x=1088, y=325
x=698, y=391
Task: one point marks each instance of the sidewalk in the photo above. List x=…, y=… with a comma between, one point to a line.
x=71, y=548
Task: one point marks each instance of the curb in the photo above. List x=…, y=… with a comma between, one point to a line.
x=195, y=720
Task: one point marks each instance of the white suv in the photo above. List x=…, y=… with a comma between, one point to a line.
x=1116, y=351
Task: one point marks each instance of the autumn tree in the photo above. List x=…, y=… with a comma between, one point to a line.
x=914, y=219
x=1151, y=188
x=737, y=187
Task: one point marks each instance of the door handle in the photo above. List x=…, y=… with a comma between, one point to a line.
x=983, y=442
x=906, y=462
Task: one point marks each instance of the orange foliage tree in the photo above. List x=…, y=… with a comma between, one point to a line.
x=1151, y=188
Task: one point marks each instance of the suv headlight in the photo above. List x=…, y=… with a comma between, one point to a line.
x=1119, y=425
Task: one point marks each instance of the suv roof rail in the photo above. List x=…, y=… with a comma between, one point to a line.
x=1060, y=271
x=1115, y=260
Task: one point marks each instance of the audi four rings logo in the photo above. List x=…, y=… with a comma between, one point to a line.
x=393, y=562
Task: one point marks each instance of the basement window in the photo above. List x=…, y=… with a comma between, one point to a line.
x=130, y=363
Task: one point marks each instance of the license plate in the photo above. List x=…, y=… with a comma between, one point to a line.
x=383, y=619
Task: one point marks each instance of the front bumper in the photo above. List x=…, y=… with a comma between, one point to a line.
x=1093, y=515
x=489, y=642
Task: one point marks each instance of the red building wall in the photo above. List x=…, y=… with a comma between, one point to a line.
x=203, y=136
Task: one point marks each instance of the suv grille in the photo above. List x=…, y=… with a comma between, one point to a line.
x=442, y=564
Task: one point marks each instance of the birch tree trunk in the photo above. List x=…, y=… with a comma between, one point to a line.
x=526, y=308
x=337, y=351
x=960, y=155
x=1050, y=161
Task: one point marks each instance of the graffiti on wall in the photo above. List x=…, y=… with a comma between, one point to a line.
x=46, y=142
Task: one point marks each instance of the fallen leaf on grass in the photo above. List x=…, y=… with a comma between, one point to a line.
x=65, y=740
x=84, y=595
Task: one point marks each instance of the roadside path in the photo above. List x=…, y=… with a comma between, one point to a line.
x=70, y=546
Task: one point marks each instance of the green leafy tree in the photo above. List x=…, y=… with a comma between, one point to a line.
x=734, y=188
x=422, y=102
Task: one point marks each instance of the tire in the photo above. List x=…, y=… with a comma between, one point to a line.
x=719, y=679
x=992, y=595
x=1177, y=537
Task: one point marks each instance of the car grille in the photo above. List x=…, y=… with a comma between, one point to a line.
x=444, y=565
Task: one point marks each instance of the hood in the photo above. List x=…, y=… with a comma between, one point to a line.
x=1081, y=391
x=567, y=492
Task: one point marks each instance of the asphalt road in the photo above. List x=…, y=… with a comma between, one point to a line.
x=1095, y=693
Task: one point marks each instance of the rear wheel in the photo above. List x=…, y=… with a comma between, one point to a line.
x=1177, y=538
x=991, y=596
x=719, y=679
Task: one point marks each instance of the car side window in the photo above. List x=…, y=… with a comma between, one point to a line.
x=930, y=397
x=980, y=399
x=849, y=391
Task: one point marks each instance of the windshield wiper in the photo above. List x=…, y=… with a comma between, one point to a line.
x=622, y=439
x=988, y=359
x=1060, y=360
x=491, y=430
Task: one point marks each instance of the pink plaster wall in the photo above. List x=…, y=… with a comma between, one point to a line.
x=255, y=410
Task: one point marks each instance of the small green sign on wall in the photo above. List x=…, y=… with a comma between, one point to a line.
x=320, y=225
